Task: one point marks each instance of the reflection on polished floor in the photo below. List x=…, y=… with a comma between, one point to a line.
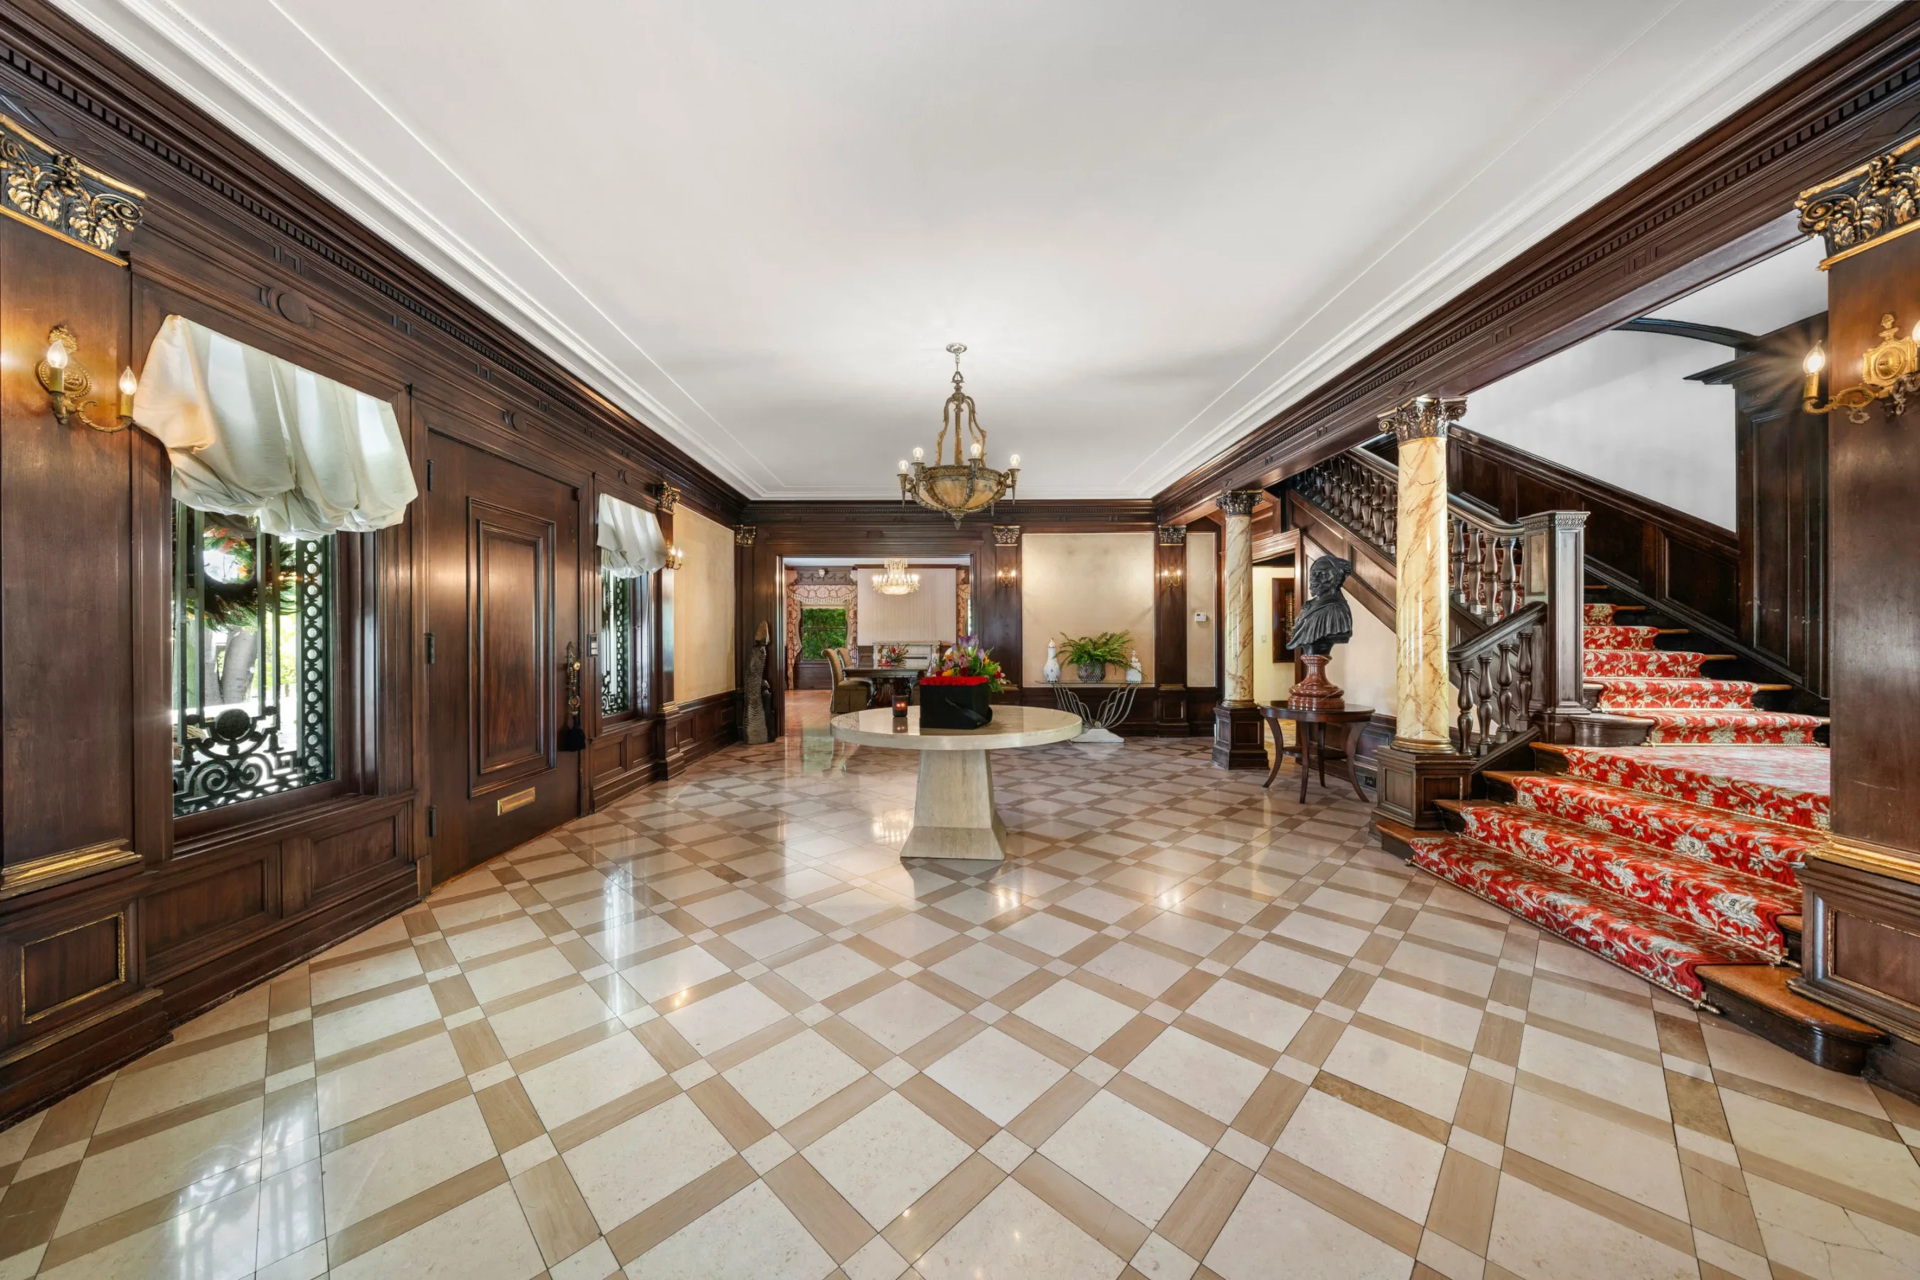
x=1195, y=1029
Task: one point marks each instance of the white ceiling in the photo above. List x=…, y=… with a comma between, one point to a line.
x=1775, y=291
x=758, y=225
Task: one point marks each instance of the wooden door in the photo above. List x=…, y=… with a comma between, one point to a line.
x=502, y=602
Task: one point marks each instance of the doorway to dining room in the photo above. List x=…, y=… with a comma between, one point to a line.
x=871, y=614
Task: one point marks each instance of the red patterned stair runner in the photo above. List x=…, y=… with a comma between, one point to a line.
x=1666, y=687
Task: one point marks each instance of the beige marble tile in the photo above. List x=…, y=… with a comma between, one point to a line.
x=1200, y=1074
x=137, y=1094
x=1079, y=1015
x=886, y=1157
x=1826, y=1241
x=587, y=1078
x=1877, y=1166
x=124, y=1176
x=984, y=970
x=1539, y=1236
x=637, y=1163
x=1138, y=1162
x=531, y=1025
x=386, y=1168
x=1456, y=1024
x=996, y=1075
x=664, y=976
x=1291, y=968
x=901, y=1016
x=1014, y=1235
x=1388, y=1067
x=485, y=1236
x=1274, y=1233
x=1612, y=1076
x=1136, y=968
x=364, y=1087
x=363, y=1023
x=1621, y=1159
x=1256, y=1015
x=828, y=971
x=720, y=1020
x=213, y=1241
x=793, y=1076
x=336, y=982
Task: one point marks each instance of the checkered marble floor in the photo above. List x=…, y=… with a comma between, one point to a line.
x=1194, y=1029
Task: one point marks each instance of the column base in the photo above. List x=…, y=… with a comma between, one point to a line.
x=1239, y=736
x=953, y=811
x=1410, y=782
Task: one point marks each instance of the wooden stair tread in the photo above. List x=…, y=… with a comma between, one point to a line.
x=1766, y=985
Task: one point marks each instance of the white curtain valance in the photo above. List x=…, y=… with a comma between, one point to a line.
x=254, y=435
x=631, y=543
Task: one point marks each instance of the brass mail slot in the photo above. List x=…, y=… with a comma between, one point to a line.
x=518, y=800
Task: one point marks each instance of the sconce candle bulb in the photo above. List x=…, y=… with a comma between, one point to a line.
x=66, y=382
x=128, y=385
x=1889, y=374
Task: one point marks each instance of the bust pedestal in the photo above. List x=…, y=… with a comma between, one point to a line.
x=1316, y=692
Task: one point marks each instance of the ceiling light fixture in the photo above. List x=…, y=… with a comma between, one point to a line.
x=967, y=484
x=895, y=580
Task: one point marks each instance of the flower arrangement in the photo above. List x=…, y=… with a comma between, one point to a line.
x=966, y=663
x=889, y=655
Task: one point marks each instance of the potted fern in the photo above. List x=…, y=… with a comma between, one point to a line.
x=1092, y=654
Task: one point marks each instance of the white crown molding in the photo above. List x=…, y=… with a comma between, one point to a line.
x=192, y=62
x=169, y=44
x=1775, y=43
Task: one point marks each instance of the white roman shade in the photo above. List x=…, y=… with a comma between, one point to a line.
x=251, y=434
x=631, y=543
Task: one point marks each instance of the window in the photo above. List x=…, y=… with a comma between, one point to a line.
x=253, y=645
x=821, y=629
x=625, y=604
x=616, y=644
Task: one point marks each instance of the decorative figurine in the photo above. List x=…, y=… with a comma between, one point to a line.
x=1324, y=622
x=1051, y=672
x=1134, y=674
x=759, y=692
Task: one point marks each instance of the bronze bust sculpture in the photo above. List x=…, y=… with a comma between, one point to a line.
x=1324, y=621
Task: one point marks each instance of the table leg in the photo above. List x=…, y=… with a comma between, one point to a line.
x=1279, y=753
x=953, y=811
x=1303, y=735
x=1320, y=754
x=1353, y=771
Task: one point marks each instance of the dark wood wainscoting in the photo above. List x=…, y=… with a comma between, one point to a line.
x=699, y=728
x=117, y=920
x=624, y=755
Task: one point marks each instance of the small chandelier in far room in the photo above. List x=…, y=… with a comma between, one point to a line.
x=895, y=580
x=967, y=484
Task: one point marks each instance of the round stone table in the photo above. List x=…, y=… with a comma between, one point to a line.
x=953, y=813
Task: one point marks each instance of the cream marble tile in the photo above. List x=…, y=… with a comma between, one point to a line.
x=829, y=971
x=1609, y=1155
x=642, y=1160
x=350, y=1028
x=886, y=1157
x=1824, y=1241
x=549, y=1018
x=292, y=1214
x=1408, y=1075
x=1198, y=1073
x=1246, y=1012
x=208, y=1242
x=1079, y=1015
x=1487, y=939
x=1375, y=1157
x=1013, y=1235
x=909, y=935
x=1601, y=1072
x=1147, y=972
x=1047, y=933
x=1878, y=1166
x=996, y=1075
x=1539, y=1236
x=493, y=981
x=109, y=1182
x=381, y=1171
x=486, y=1236
x=137, y=1094
x=1449, y=970
x=982, y=969
x=793, y=1076
x=479, y=943
x=1743, y=1054
x=587, y=1078
x=1273, y=1233
x=770, y=938
x=901, y=1016
x=750, y=1236
x=1293, y=969
x=1628, y=1020
x=1457, y=1024
x=663, y=976
x=372, y=1083
x=1135, y=1160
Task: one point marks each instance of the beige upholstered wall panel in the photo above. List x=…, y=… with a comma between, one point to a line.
x=926, y=614
x=1081, y=583
x=1203, y=591
x=703, y=645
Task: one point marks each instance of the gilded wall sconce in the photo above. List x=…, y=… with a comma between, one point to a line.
x=676, y=558
x=1889, y=373
x=67, y=383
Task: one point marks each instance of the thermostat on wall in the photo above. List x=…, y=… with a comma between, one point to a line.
x=1199, y=617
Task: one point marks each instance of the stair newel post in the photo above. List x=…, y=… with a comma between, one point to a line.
x=1421, y=765
x=1554, y=558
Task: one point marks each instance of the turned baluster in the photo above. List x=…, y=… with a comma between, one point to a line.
x=1392, y=540
x=1507, y=718
x=1526, y=673
x=1483, y=604
x=1463, y=679
x=1476, y=569
x=1457, y=558
x=1486, y=708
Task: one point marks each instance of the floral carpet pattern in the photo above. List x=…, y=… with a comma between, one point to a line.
x=1639, y=680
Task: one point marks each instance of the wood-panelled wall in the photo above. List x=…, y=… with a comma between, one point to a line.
x=117, y=921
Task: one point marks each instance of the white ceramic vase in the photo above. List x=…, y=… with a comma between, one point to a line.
x=1051, y=672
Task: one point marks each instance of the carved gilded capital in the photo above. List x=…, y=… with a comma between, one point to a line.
x=743, y=535
x=55, y=192
x=1864, y=206
x=1426, y=418
x=1006, y=535
x=669, y=498
x=1239, y=502
x=1173, y=535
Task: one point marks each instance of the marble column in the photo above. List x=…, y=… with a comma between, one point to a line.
x=1423, y=698
x=1237, y=731
x=1420, y=766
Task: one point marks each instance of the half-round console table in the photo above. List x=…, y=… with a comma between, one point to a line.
x=1112, y=709
x=953, y=813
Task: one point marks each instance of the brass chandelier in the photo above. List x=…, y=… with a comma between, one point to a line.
x=967, y=484
x=895, y=580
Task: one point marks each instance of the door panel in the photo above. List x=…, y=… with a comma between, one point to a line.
x=503, y=600
x=514, y=666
